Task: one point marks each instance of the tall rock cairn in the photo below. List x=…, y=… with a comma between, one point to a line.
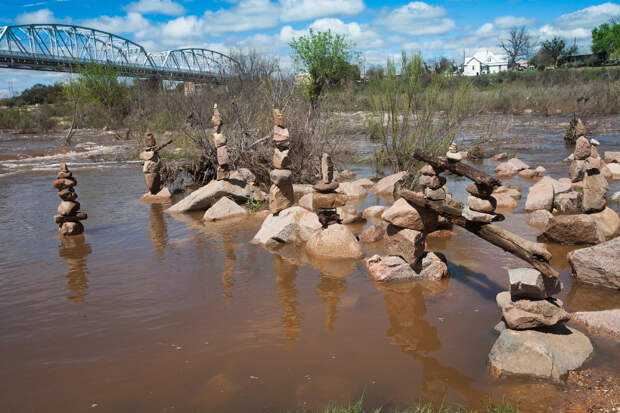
x=281, y=194
x=595, y=184
x=219, y=140
x=152, y=164
x=325, y=200
x=69, y=215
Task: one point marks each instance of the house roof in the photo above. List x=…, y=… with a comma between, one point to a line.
x=487, y=58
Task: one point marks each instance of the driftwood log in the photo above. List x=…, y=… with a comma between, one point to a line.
x=534, y=253
x=441, y=163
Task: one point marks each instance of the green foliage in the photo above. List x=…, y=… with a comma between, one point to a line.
x=325, y=58
x=23, y=119
x=554, y=51
x=606, y=40
x=254, y=205
x=413, y=109
x=100, y=97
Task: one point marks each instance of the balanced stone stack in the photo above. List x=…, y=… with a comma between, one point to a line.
x=595, y=184
x=281, y=194
x=529, y=304
x=69, y=215
x=432, y=183
x=219, y=140
x=152, y=165
x=480, y=206
x=325, y=200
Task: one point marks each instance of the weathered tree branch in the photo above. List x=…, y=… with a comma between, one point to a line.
x=459, y=168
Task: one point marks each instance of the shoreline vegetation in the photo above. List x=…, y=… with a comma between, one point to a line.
x=502, y=406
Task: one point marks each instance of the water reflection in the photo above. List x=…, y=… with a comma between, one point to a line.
x=158, y=229
x=416, y=337
x=228, y=280
x=285, y=274
x=74, y=251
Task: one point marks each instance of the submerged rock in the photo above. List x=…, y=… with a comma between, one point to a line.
x=598, y=265
x=335, y=241
x=395, y=268
x=205, y=197
x=549, y=354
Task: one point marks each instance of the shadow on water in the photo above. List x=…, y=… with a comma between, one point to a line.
x=74, y=251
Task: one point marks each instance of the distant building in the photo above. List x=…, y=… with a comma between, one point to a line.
x=484, y=62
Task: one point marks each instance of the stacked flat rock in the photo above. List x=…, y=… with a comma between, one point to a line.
x=432, y=183
x=69, y=215
x=529, y=304
x=219, y=140
x=152, y=165
x=480, y=206
x=595, y=184
x=325, y=200
x=281, y=194
x=453, y=153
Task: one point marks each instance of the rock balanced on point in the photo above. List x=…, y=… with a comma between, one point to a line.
x=151, y=167
x=325, y=200
x=69, y=215
x=281, y=194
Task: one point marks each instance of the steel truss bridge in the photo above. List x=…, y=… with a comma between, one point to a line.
x=68, y=48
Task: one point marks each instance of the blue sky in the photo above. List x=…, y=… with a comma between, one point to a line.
x=379, y=29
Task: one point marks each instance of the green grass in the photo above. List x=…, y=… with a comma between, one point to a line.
x=254, y=205
x=502, y=406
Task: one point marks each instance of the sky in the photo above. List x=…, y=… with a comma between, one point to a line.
x=378, y=29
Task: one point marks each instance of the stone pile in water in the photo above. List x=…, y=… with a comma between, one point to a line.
x=219, y=140
x=69, y=215
x=151, y=167
x=587, y=166
x=326, y=200
x=281, y=194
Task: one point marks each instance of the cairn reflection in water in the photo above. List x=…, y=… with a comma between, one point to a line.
x=285, y=275
x=74, y=251
x=158, y=229
x=416, y=337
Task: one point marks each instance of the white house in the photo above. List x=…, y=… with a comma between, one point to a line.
x=484, y=62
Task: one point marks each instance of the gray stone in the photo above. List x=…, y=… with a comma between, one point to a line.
x=352, y=190
x=540, y=195
x=203, y=198
x=525, y=313
x=579, y=229
x=568, y=202
x=293, y=225
x=518, y=164
x=374, y=212
x=454, y=156
x=435, y=194
x=405, y=242
x=281, y=177
x=612, y=157
x=387, y=185
x=598, y=265
x=481, y=205
x=222, y=156
x=403, y=215
x=476, y=216
x=582, y=148
x=390, y=268
x=334, y=242
x=527, y=283
x=577, y=170
x=539, y=219
x=327, y=168
x=546, y=355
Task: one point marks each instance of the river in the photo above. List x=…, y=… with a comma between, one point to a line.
x=152, y=312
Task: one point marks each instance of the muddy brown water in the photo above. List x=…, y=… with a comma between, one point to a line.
x=154, y=312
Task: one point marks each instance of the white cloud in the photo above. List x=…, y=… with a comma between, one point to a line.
x=362, y=36
x=301, y=10
x=131, y=23
x=167, y=7
x=511, y=21
x=588, y=17
x=39, y=16
x=417, y=18
x=245, y=16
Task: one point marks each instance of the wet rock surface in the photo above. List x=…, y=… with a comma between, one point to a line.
x=598, y=265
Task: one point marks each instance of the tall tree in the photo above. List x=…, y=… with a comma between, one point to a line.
x=606, y=40
x=556, y=50
x=324, y=57
x=517, y=45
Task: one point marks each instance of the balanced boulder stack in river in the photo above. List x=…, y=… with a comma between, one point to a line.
x=219, y=140
x=325, y=200
x=281, y=194
x=151, y=167
x=69, y=215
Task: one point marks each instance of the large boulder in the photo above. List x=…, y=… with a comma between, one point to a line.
x=351, y=190
x=223, y=209
x=606, y=321
x=598, y=265
x=386, y=186
x=539, y=219
x=612, y=157
x=546, y=355
x=504, y=200
x=402, y=214
x=203, y=198
x=608, y=221
x=579, y=229
x=293, y=225
x=518, y=164
x=524, y=313
x=614, y=168
x=505, y=169
x=540, y=195
x=334, y=242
